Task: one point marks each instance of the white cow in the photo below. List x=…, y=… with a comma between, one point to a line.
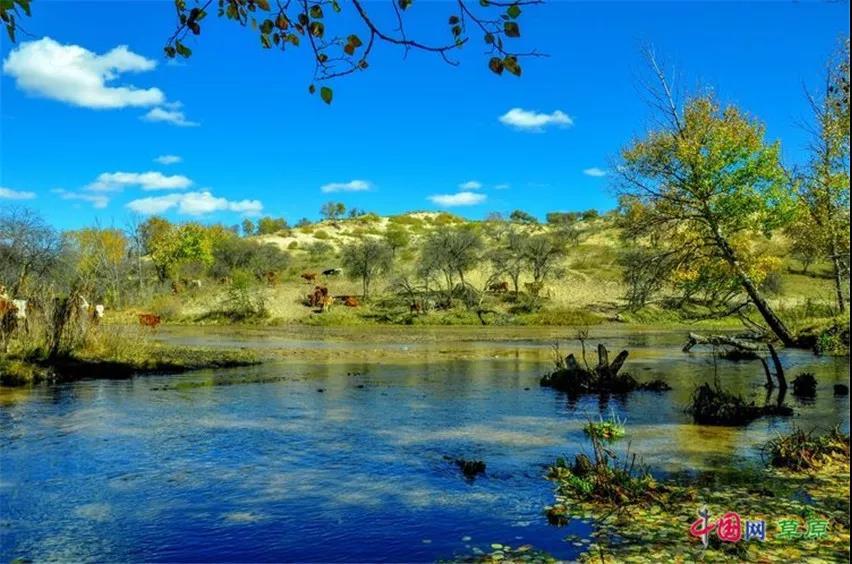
x=99, y=311
x=20, y=309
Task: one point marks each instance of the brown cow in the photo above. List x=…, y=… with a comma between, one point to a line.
x=499, y=287
x=317, y=297
x=149, y=320
x=309, y=277
x=350, y=301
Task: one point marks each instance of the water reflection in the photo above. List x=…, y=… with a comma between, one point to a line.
x=179, y=468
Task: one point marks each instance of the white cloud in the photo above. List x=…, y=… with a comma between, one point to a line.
x=526, y=120
x=9, y=194
x=458, y=199
x=595, y=171
x=470, y=185
x=351, y=186
x=168, y=159
x=172, y=116
x=99, y=201
x=73, y=74
x=116, y=181
x=194, y=203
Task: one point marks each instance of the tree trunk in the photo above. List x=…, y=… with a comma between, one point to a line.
x=775, y=324
x=838, y=275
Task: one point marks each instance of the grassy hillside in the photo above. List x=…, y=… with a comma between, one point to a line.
x=586, y=289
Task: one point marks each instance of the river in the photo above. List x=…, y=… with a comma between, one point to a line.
x=343, y=450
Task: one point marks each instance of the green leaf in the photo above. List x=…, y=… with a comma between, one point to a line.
x=335, y=5
x=312, y=88
x=316, y=11
x=264, y=40
x=454, y=20
x=489, y=38
x=25, y=5
x=512, y=65
x=514, y=11
x=317, y=29
x=170, y=52
x=282, y=22
x=354, y=40
x=182, y=49
x=326, y=94
x=405, y=4
x=262, y=4
x=511, y=29
x=266, y=26
x=496, y=65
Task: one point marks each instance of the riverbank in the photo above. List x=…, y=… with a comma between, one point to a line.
x=154, y=359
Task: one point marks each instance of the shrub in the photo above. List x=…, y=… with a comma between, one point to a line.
x=293, y=245
x=321, y=235
x=167, y=306
x=802, y=451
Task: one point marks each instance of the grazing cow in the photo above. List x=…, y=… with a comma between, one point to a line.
x=332, y=272
x=349, y=301
x=194, y=283
x=271, y=278
x=309, y=277
x=499, y=287
x=316, y=298
x=149, y=320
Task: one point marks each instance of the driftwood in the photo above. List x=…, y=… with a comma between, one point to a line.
x=570, y=376
x=749, y=346
x=720, y=340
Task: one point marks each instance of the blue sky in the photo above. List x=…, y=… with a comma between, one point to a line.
x=251, y=140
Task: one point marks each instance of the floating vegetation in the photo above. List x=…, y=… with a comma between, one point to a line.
x=804, y=385
x=711, y=405
x=505, y=553
x=803, y=451
x=654, y=525
x=606, y=429
x=738, y=355
x=569, y=376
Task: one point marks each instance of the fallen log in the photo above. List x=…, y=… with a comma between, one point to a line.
x=570, y=377
x=720, y=340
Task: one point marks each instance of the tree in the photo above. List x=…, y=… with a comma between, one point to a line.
x=520, y=216
x=29, y=249
x=451, y=252
x=508, y=257
x=171, y=247
x=397, y=237
x=823, y=221
x=541, y=253
x=101, y=260
x=332, y=211
x=702, y=179
x=365, y=260
x=271, y=225
x=247, y=226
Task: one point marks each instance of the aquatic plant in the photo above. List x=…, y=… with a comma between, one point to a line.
x=606, y=429
x=804, y=385
x=711, y=405
x=800, y=450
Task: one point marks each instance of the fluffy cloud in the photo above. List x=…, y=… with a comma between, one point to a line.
x=116, y=181
x=194, y=203
x=470, y=185
x=9, y=194
x=526, y=120
x=72, y=74
x=351, y=186
x=99, y=201
x=595, y=171
x=168, y=159
x=458, y=199
x=172, y=115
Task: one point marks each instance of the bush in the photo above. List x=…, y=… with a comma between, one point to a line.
x=321, y=235
x=167, y=306
x=802, y=451
x=293, y=245
x=242, y=302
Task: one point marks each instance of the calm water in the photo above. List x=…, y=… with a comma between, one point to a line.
x=159, y=468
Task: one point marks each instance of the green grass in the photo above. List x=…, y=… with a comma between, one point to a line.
x=606, y=429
